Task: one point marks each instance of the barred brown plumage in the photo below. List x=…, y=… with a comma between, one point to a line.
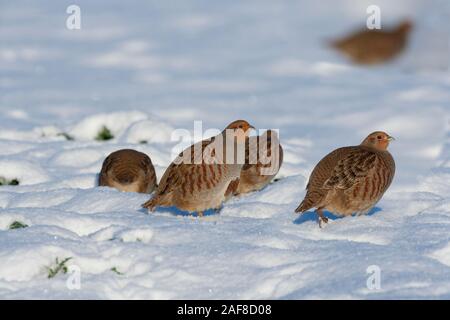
x=194, y=184
x=351, y=179
x=128, y=170
x=374, y=46
x=261, y=164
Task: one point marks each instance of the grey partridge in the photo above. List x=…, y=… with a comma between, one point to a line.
x=195, y=183
x=374, y=46
x=261, y=164
x=128, y=170
x=351, y=179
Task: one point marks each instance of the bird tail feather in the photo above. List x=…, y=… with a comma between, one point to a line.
x=309, y=202
x=304, y=206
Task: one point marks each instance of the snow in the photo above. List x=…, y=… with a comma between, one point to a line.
x=145, y=69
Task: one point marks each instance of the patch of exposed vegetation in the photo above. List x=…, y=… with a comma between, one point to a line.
x=104, y=134
x=17, y=225
x=60, y=266
x=114, y=269
x=66, y=135
x=6, y=182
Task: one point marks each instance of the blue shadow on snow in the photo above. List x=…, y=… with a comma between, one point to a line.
x=312, y=216
x=177, y=212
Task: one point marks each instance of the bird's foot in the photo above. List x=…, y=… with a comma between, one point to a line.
x=322, y=221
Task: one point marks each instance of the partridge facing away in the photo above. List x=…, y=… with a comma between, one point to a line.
x=196, y=184
x=128, y=170
x=374, y=46
x=351, y=179
x=261, y=166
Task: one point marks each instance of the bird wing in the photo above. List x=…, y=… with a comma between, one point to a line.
x=252, y=159
x=174, y=175
x=146, y=165
x=351, y=168
x=106, y=168
x=107, y=163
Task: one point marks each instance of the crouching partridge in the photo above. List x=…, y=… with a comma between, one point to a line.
x=374, y=46
x=197, y=181
x=128, y=170
x=264, y=156
x=351, y=179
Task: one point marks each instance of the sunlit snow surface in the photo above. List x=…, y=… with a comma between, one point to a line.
x=144, y=69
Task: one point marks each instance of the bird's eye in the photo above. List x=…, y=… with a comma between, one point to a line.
x=379, y=137
x=240, y=127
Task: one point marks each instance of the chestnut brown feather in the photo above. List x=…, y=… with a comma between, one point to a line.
x=192, y=184
x=128, y=170
x=374, y=46
x=256, y=172
x=351, y=179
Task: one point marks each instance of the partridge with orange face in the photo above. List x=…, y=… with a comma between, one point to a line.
x=351, y=179
x=374, y=46
x=264, y=156
x=197, y=181
x=128, y=170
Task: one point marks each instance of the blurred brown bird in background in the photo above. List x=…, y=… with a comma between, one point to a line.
x=374, y=46
x=196, y=186
x=351, y=179
x=128, y=170
x=261, y=166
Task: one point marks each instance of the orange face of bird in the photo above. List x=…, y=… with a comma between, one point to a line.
x=379, y=140
x=405, y=26
x=240, y=129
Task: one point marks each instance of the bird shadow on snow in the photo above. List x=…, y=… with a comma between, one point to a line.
x=312, y=216
x=177, y=212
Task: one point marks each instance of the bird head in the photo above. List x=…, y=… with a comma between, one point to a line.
x=405, y=26
x=239, y=128
x=378, y=140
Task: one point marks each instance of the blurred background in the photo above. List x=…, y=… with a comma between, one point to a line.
x=264, y=61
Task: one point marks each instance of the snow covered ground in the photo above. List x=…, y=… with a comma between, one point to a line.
x=144, y=69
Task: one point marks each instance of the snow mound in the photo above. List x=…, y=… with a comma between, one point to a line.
x=148, y=131
x=25, y=171
x=116, y=122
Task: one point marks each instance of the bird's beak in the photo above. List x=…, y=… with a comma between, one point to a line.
x=390, y=138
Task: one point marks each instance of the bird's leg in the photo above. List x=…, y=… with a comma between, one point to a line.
x=200, y=214
x=322, y=218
